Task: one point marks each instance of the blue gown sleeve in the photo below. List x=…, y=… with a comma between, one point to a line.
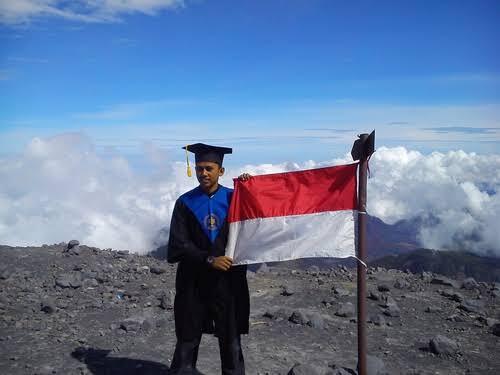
x=180, y=245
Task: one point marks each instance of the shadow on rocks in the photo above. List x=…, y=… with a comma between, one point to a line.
x=99, y=363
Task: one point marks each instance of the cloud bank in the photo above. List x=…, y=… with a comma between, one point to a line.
x=23, y=11
x=60, y=189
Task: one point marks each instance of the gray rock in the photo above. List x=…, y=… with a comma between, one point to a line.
x=374, y=296
x=375, y=366
x=474, y=306
x=495, y=329
x=377, y=319
x=383, y=288
x=451, y=294
x=73, y=280
x=346, y=310
x=157, y=270
x=287, y=290
x=167, y=301
x=433, y=309
x=340, y=292
x=441, y=280
x=279, y=313
x=299, y=317
x=131, y=325
x=5, y=274
x=401, y=284
x=335, y=370
x=316, y=320
x=470, y=284
x=443, y=345
x=392, y=310
x=72, y=244
x=47, y=306
x=391, y=307
x=456, y=318
x=75, y=250
x=305, y=369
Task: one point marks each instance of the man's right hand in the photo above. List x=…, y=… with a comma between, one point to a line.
x=222, y=263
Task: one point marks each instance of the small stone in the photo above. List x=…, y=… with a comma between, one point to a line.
x=377, y=319
x=316, y=320
x=280, y=313
x=340, y=292
x=456, y=318
x=374, y=296
x=157, y=270
x=495, y=329
x=443, y=345
x=47, y=306
x=5, y=274
x=392, y=310
x=346, y=310
x=167, y=301
x=299, y=317
x=445, y=281
x=401, y=284
x=383, y=288
x=432, y=309
x=305, y=369
x=131, y=325
x=375, y=366
x=287, y=290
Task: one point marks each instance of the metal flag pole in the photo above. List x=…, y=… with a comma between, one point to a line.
x=362, y=150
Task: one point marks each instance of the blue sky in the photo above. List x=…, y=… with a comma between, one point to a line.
x=276, y=80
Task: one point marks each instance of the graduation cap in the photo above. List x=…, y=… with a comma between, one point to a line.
x=203, y=152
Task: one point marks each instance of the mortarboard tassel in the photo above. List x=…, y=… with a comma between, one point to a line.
x=189, y=173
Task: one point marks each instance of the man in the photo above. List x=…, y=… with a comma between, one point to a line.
x=211, y=295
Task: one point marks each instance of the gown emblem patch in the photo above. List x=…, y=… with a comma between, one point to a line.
x=211, y=222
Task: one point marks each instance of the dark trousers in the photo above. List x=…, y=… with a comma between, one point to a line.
x=186, y=355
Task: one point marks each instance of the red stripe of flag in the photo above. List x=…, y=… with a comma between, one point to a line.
x=295, y=193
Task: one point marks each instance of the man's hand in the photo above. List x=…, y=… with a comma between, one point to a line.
x=222, y=263
x=244, y=177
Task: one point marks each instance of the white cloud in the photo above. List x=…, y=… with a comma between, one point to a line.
x=24, y=11
x=59, y=188
x=460, y=190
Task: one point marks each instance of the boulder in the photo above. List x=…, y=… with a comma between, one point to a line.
x=474, y=306
x=442, y=280
x=305, y=369
x=470, y=284
x=443, y=345
x=346, y=310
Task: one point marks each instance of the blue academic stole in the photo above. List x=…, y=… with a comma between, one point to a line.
x=209, y=210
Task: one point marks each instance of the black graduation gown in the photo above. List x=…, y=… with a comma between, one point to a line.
x=207, y=300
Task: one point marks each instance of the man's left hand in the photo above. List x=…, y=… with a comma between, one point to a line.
x=244, y=177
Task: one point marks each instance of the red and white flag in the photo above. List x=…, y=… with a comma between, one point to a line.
x=302, y=214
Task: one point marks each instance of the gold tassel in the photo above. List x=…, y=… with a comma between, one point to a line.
x=189, y=173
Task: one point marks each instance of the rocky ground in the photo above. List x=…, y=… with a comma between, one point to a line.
x=92, y=311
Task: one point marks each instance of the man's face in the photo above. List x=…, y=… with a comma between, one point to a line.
x=208, y=174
